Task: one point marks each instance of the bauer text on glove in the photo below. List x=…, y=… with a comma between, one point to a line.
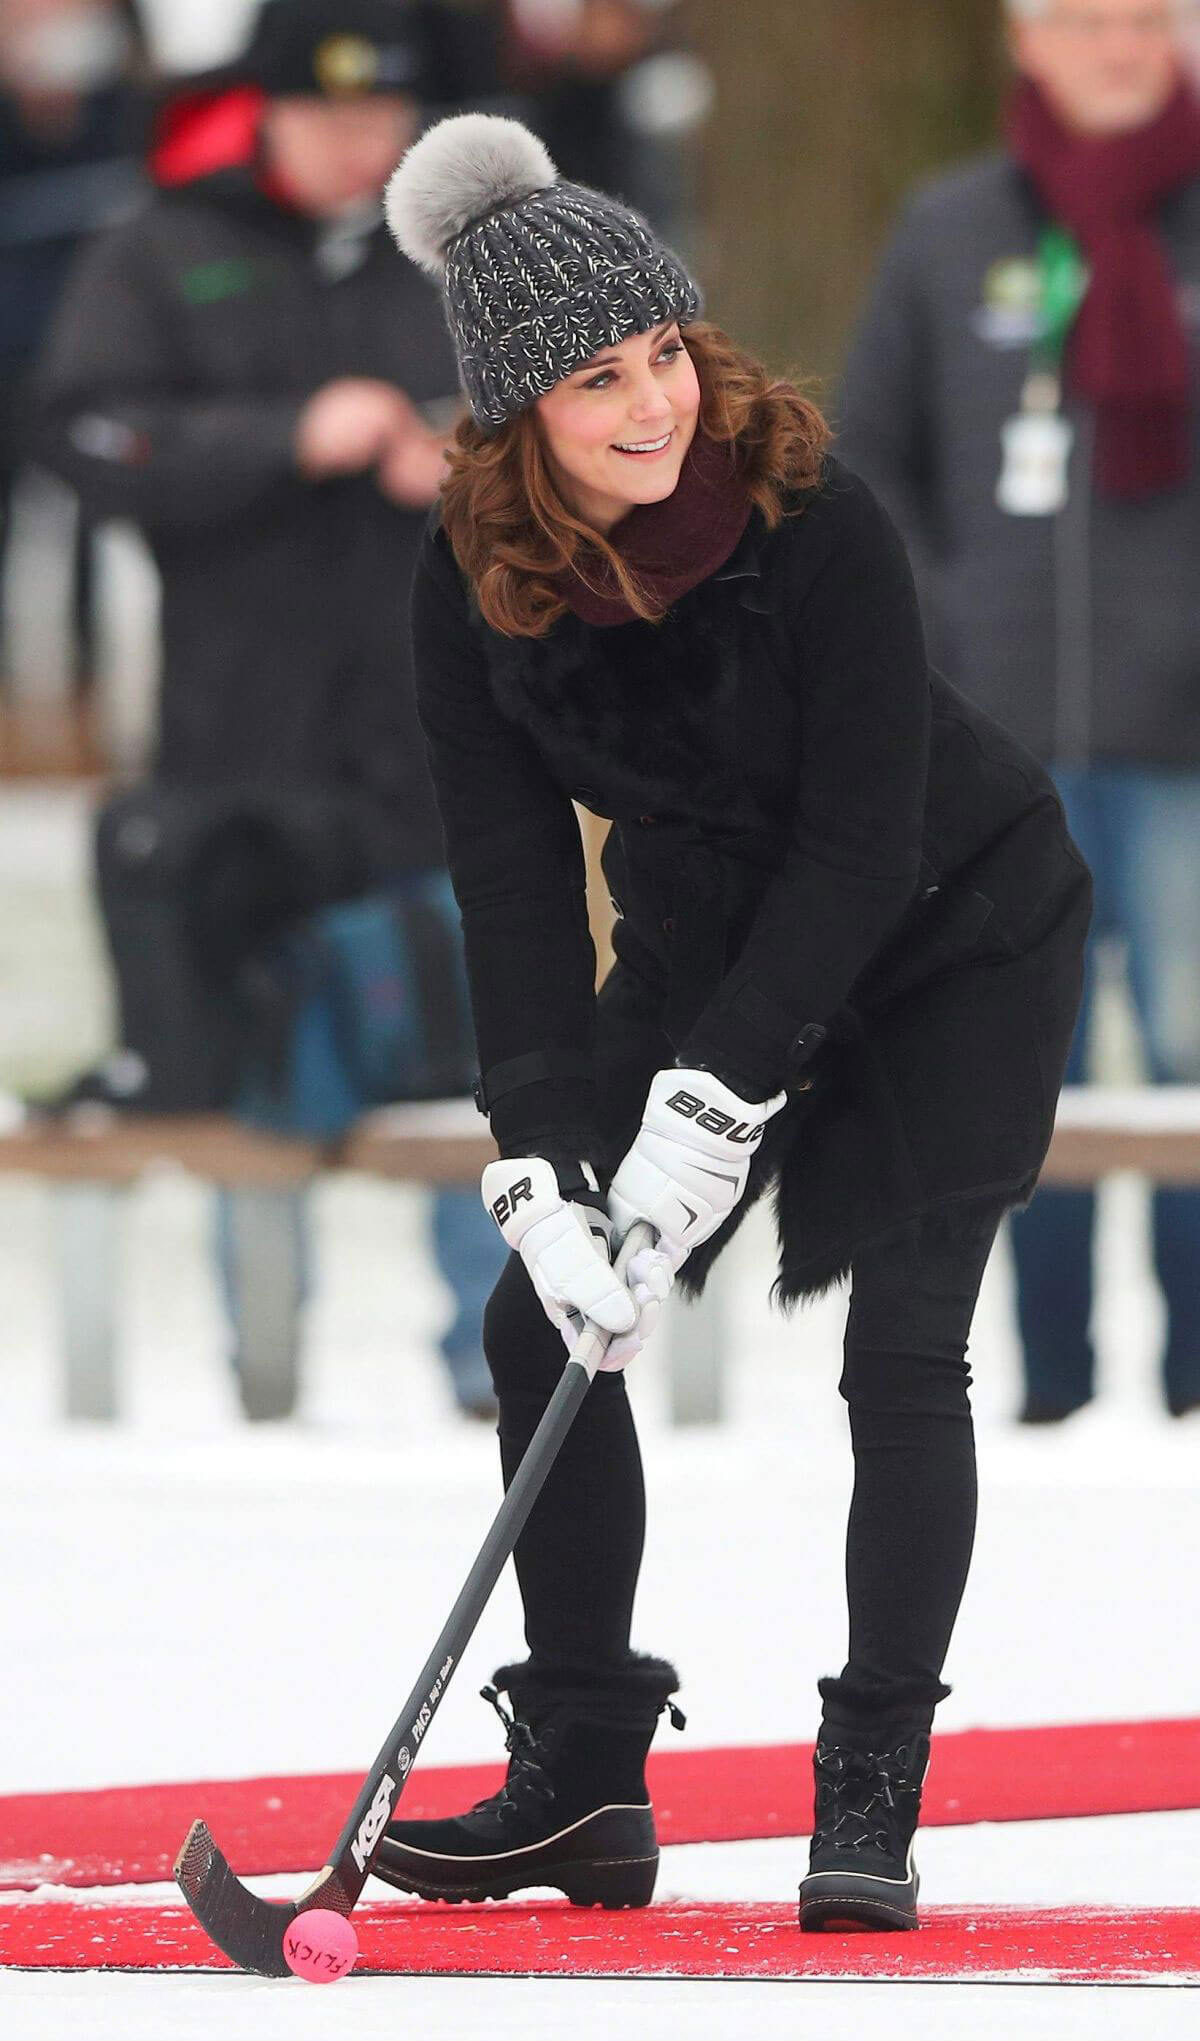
x=690, y=1160
x=564, y=1241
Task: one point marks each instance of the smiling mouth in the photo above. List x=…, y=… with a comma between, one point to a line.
x=644, y=449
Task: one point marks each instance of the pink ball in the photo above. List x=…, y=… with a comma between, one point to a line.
x=320, y=1946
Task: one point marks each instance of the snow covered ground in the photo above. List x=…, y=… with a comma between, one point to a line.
x=157, y=1606
x=184, y=1597
x=45, y=2008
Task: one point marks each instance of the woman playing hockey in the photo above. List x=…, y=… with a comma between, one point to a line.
x=850, y=925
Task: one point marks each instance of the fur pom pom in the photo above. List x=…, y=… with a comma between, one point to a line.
x=464, y=167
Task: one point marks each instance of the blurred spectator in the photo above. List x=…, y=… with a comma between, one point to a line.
x=569, y=57
x=248, y=371
x=67, y=86
x=1022, y=391
x=606, y=85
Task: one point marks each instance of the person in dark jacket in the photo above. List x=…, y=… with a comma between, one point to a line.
x=67, y=168
x=848, y=962
x=1022, y=395
x=246, y=371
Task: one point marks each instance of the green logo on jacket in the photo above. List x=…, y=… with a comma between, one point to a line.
x=232, y=276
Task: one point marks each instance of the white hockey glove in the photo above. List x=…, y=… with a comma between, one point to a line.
x=687, y=1168
x=565, y=1242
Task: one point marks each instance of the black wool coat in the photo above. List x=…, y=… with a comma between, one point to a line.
x=831, y=873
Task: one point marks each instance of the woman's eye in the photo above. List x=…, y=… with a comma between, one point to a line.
x=670, y=353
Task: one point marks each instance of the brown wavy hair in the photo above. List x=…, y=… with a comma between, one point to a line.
x=513, y=534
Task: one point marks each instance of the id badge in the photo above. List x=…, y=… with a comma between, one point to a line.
x=1037, y=451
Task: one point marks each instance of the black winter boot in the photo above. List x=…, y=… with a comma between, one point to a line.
x=861, y=1873
x=573, y=1812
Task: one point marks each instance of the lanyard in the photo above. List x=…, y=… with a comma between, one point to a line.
x=1034, y=480
x=1064, y=278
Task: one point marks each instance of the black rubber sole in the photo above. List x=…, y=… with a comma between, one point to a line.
x=616, y=1885
x=834, y=1905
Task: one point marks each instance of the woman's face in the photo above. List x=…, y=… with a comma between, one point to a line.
x=616, y=432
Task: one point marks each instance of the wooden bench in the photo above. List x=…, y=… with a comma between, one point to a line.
x=94, y=1155
x=90, y=1157
x=1152, y=1129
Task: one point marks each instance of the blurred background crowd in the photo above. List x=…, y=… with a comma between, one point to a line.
x=223, y=401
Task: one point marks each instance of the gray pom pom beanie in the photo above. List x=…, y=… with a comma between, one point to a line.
x=539, y=274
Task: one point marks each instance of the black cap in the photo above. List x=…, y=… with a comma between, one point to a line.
x=334, y=49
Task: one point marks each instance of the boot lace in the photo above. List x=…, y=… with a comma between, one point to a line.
x=528, y=1787
x=864, y=1800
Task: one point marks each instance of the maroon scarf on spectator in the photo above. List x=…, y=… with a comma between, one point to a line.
x=670, y=546
x=1128, y=353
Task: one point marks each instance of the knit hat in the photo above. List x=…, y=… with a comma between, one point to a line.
x=539, y=274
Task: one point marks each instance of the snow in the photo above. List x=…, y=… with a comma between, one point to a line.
x=159, y=1605
x=43, y=2008
x=185, y=1597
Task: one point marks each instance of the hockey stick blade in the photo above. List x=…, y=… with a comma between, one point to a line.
x=251, y=1931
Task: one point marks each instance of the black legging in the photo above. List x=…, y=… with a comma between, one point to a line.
x=912, y=1518
x=912, y=1514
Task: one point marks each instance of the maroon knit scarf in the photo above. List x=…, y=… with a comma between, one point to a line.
x=1128, y=352
x=670, y=546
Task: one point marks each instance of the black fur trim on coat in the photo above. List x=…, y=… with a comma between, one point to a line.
x=657, y=704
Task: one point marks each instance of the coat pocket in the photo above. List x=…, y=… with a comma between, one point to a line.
x=945, y=926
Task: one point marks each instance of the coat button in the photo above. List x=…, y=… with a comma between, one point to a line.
x=668, y=927
x=646, y=820
x=806, y=1044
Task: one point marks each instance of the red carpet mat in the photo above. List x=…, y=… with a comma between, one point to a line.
x=1090, y=1945
x=131, y=1835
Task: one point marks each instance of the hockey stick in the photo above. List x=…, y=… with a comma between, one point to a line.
x=251, y=1930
